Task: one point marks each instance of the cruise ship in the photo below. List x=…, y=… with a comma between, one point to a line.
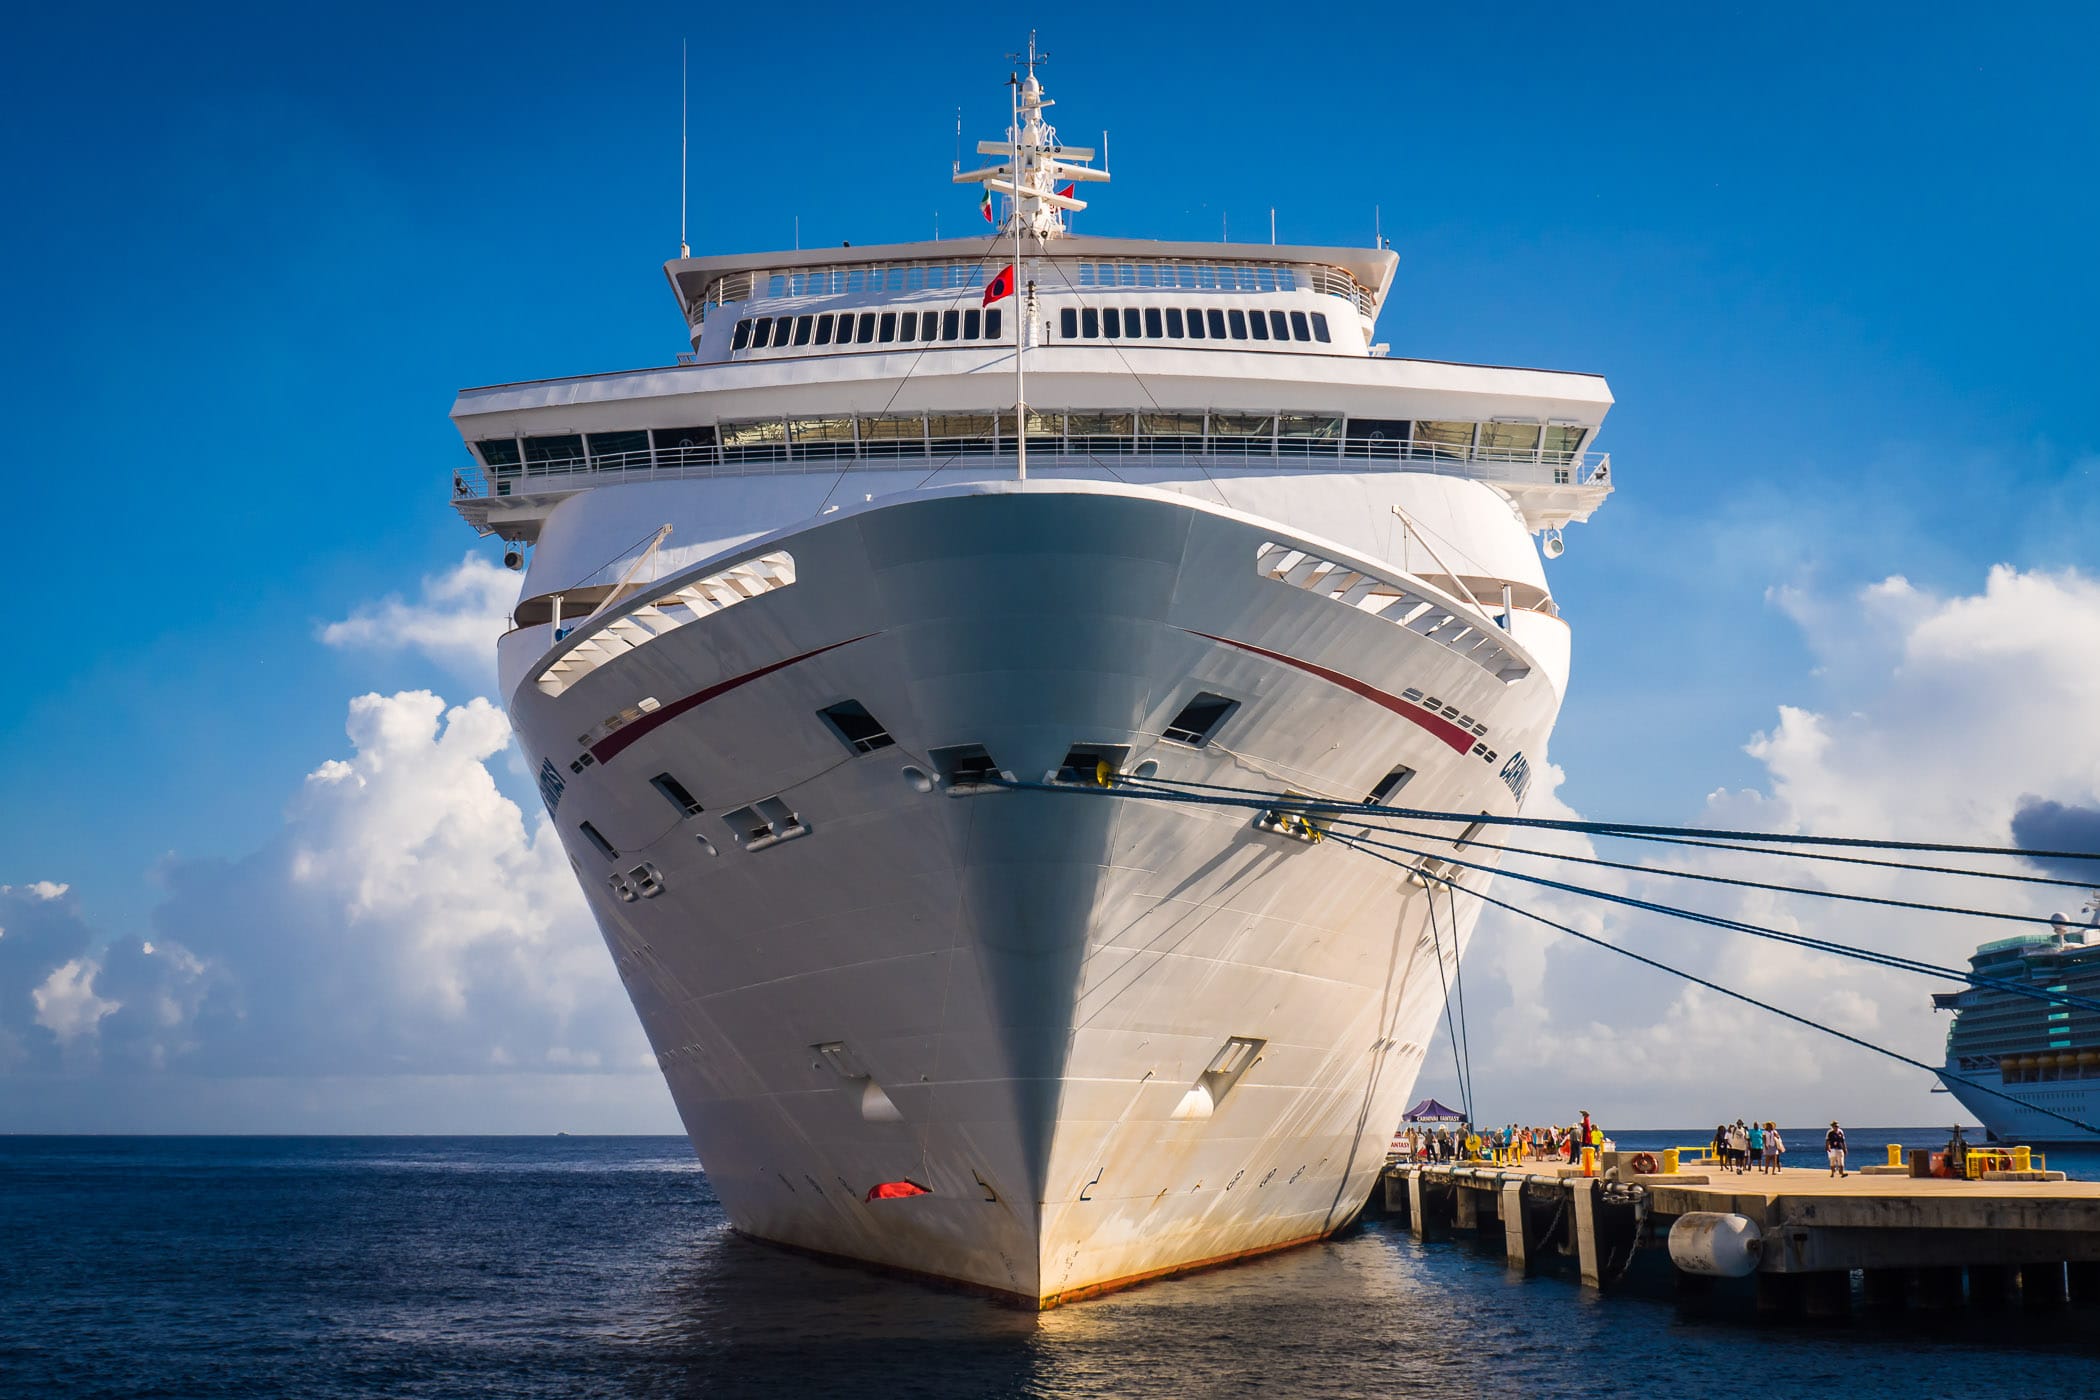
x=846, y=640
x=2041, y=1055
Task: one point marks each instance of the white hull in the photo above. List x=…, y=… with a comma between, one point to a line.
x=1034, y=982
x=2020, y=1122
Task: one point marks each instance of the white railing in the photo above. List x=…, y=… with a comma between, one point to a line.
x=1525, y=467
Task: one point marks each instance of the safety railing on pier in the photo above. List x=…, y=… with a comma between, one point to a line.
x=1519, y=467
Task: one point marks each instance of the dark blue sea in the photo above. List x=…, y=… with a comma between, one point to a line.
x=241, y=1267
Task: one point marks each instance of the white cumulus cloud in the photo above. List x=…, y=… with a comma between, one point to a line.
x=1931, y=718
x=454, y=622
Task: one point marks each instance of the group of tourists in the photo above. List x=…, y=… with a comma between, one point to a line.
x=1749, y=1147
x=1511, y=1144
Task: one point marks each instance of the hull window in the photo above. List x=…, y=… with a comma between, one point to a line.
x=1389, y=787
x=605, y=847
x=855, y=727
x=1200, y=719
x=674, y=793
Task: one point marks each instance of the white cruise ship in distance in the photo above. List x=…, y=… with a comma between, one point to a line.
x=2043, y=1056
x=796, y=605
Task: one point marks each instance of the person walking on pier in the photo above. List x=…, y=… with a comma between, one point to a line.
x=1834, y=1144
x=1775, y=1147
x=1757, y=1147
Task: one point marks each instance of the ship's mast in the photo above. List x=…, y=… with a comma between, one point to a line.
x=1034, y=165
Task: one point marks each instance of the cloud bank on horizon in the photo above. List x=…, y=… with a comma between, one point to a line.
x=409, y=951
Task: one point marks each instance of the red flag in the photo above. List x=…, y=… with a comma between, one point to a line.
x=1000, y=286
x=1066, y=192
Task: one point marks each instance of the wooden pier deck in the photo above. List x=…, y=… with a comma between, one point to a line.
x=1926, y=1242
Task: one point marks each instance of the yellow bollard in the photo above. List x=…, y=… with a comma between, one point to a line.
x=2023, y=1159
x=1895, y=1154
x=1669, y=1162
x=1589, y=1161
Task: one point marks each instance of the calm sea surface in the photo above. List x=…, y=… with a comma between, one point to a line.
x=603, y=1266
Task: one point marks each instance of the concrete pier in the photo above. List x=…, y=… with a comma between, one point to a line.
x=1919, y=1242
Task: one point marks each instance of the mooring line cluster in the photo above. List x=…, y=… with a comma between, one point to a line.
x=1318, y=818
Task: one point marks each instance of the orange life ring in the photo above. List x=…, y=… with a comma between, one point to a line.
x=1643, y=1164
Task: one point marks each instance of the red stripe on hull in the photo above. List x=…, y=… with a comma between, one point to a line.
x=620, y=738
x=1459, y=739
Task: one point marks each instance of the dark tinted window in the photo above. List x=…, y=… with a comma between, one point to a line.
x=743, y=335
x=907, y=326
x=1068, y=323
x=1090, y=319
x=951, y=323
x=564, y=447
x=1152, y=323
x=1174, y=323
x=991, y=324
x=1278, y=326
x=1217, y=323
x=674, y=792
x=674, y=439
x=1298, y=330
x=605, y=847
x=1319, y=320
x=1238, y=320
x=498, y=452
x=783, y=331
x=1195, y=323
x=972, y=320
x=1112, y=322
x=867, y=328
x=1199, y=719
x=929, y=325
x=1130, y=323
x=887, y=327
x=613, y=444
x=824, y=329
x=856, y=728
x=802, y=329
x=1259, y=324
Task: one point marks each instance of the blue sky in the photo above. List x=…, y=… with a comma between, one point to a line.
x=1837, y=268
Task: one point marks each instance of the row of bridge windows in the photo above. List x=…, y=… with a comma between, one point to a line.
x=1195, y=323
x=864, y=328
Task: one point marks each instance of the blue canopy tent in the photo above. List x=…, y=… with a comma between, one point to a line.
x=1430, y=1111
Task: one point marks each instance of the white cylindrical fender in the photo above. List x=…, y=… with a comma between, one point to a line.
x=1717, y=1245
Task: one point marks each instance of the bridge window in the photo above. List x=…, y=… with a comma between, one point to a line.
x=972, y=322
x=991, y=324
x=823, y=336
x=742, y=337
x=1174, y=323
x=1319, y=324
x=1563, y=438
x=803, y=326
x=498, y=452
x=560, y=447
x=1153, y=323
x=619, y=444
x=1068, y=324
x=929, y=326
x=1444, y=435
x=951, y=323
x=1195, y=323
x=1130, y=323
x=1278, y=326
x=1260, y=325
x=887, y=327
x=1510, y=437
x=761, y=332
x=866, y=334
x=1298, y=326
x=1090, y=320
x=1217, y=324
x=1112, y=322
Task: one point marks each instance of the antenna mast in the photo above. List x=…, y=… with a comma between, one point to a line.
x=685, y=249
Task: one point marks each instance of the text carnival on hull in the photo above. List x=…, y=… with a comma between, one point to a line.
x=1038, y=1044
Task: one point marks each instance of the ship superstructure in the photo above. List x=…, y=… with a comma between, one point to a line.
x=797, y=612
x=2041, y=1054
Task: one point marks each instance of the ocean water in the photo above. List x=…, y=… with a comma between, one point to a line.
x=144, y=1267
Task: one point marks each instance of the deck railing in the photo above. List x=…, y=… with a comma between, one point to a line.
x=1512, y=466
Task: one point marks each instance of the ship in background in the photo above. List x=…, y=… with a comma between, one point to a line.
x=2042, y=1054
x=800, y=605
